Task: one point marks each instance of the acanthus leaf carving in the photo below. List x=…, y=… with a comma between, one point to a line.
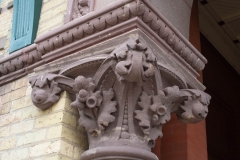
x=126, y=100
x=143, y=115
x=107, y=107
x=190, y=105
x=95, y=108
x=133, y=62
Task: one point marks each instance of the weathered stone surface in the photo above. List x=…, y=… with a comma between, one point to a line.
x=44, y=148
x=33, y=137
x=77, y=152
x=2, y=41
x=10, y=118
x=33, y=112
x=21, y=127
x=128, y=99
x=8, y=143
x=46, y=46
x=4, y=108
x=19, y=93
x=15, y=154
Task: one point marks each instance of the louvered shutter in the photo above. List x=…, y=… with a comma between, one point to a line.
x=26, y=15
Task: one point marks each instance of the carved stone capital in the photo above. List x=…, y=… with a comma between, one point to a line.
x=125, y=104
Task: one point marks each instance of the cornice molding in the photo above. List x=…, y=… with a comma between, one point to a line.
x=96, y=27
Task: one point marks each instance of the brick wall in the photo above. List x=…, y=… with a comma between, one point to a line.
x=52, y=16
x=186, y=141
x=27, y=132
x=6, y=26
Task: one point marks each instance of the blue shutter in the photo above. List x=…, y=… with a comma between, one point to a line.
x=26, y=15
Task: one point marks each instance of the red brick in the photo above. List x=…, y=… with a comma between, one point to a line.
x=167, y=129
x=174, y=156
x=157, y=148
x=167, y=148
x=179, y=137
x=179, y=127
x=180, y=146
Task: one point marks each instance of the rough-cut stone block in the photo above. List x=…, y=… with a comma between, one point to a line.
x=77, y=152
x=32, y=111
x=54, y=132
x=17, y=104
x=45, y=148
x=29, y=90
x=10, y=118
x=5, y=108
x=69, y=134
x=55, y=118
x=57, y=157
x=64, y=104
x=21, y=82
x=4, y=131
x=66, y=149
x=74, y=136
x=59, y=9
x=70, y=118
x=28, y=101
x=48, y=120
x=8, y=143
x=24, y=126
x=3, y=42
x=50, y=4
x=5, y=98
x=19, y=93
x=15, y=154
x=1, y=90
x=32, y=137
x=7, y=88
x=46, y=15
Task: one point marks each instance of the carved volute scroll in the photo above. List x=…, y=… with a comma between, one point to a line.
x=124, y=105
x=46, y=89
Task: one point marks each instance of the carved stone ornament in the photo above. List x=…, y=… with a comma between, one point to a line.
x=125, y=104
x=78, y=8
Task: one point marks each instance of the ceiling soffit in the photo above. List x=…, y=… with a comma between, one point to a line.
x=220, y=21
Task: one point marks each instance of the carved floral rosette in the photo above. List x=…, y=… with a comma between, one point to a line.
x=125, y=104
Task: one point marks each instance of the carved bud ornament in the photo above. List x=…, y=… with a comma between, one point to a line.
x=124, y=106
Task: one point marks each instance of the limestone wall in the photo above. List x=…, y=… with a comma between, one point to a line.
x=52, y=16
x=27, y=132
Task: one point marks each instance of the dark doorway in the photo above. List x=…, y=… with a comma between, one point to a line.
x=223, y=120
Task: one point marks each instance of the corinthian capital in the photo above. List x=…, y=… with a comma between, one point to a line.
x=129, y=98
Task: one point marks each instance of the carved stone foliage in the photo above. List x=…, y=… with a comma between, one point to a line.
x=190, y=105
x=80, y=8
x=77, y=9
x=46, y=89
x=133, y=62
x=95, y=107
x=124, y=103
